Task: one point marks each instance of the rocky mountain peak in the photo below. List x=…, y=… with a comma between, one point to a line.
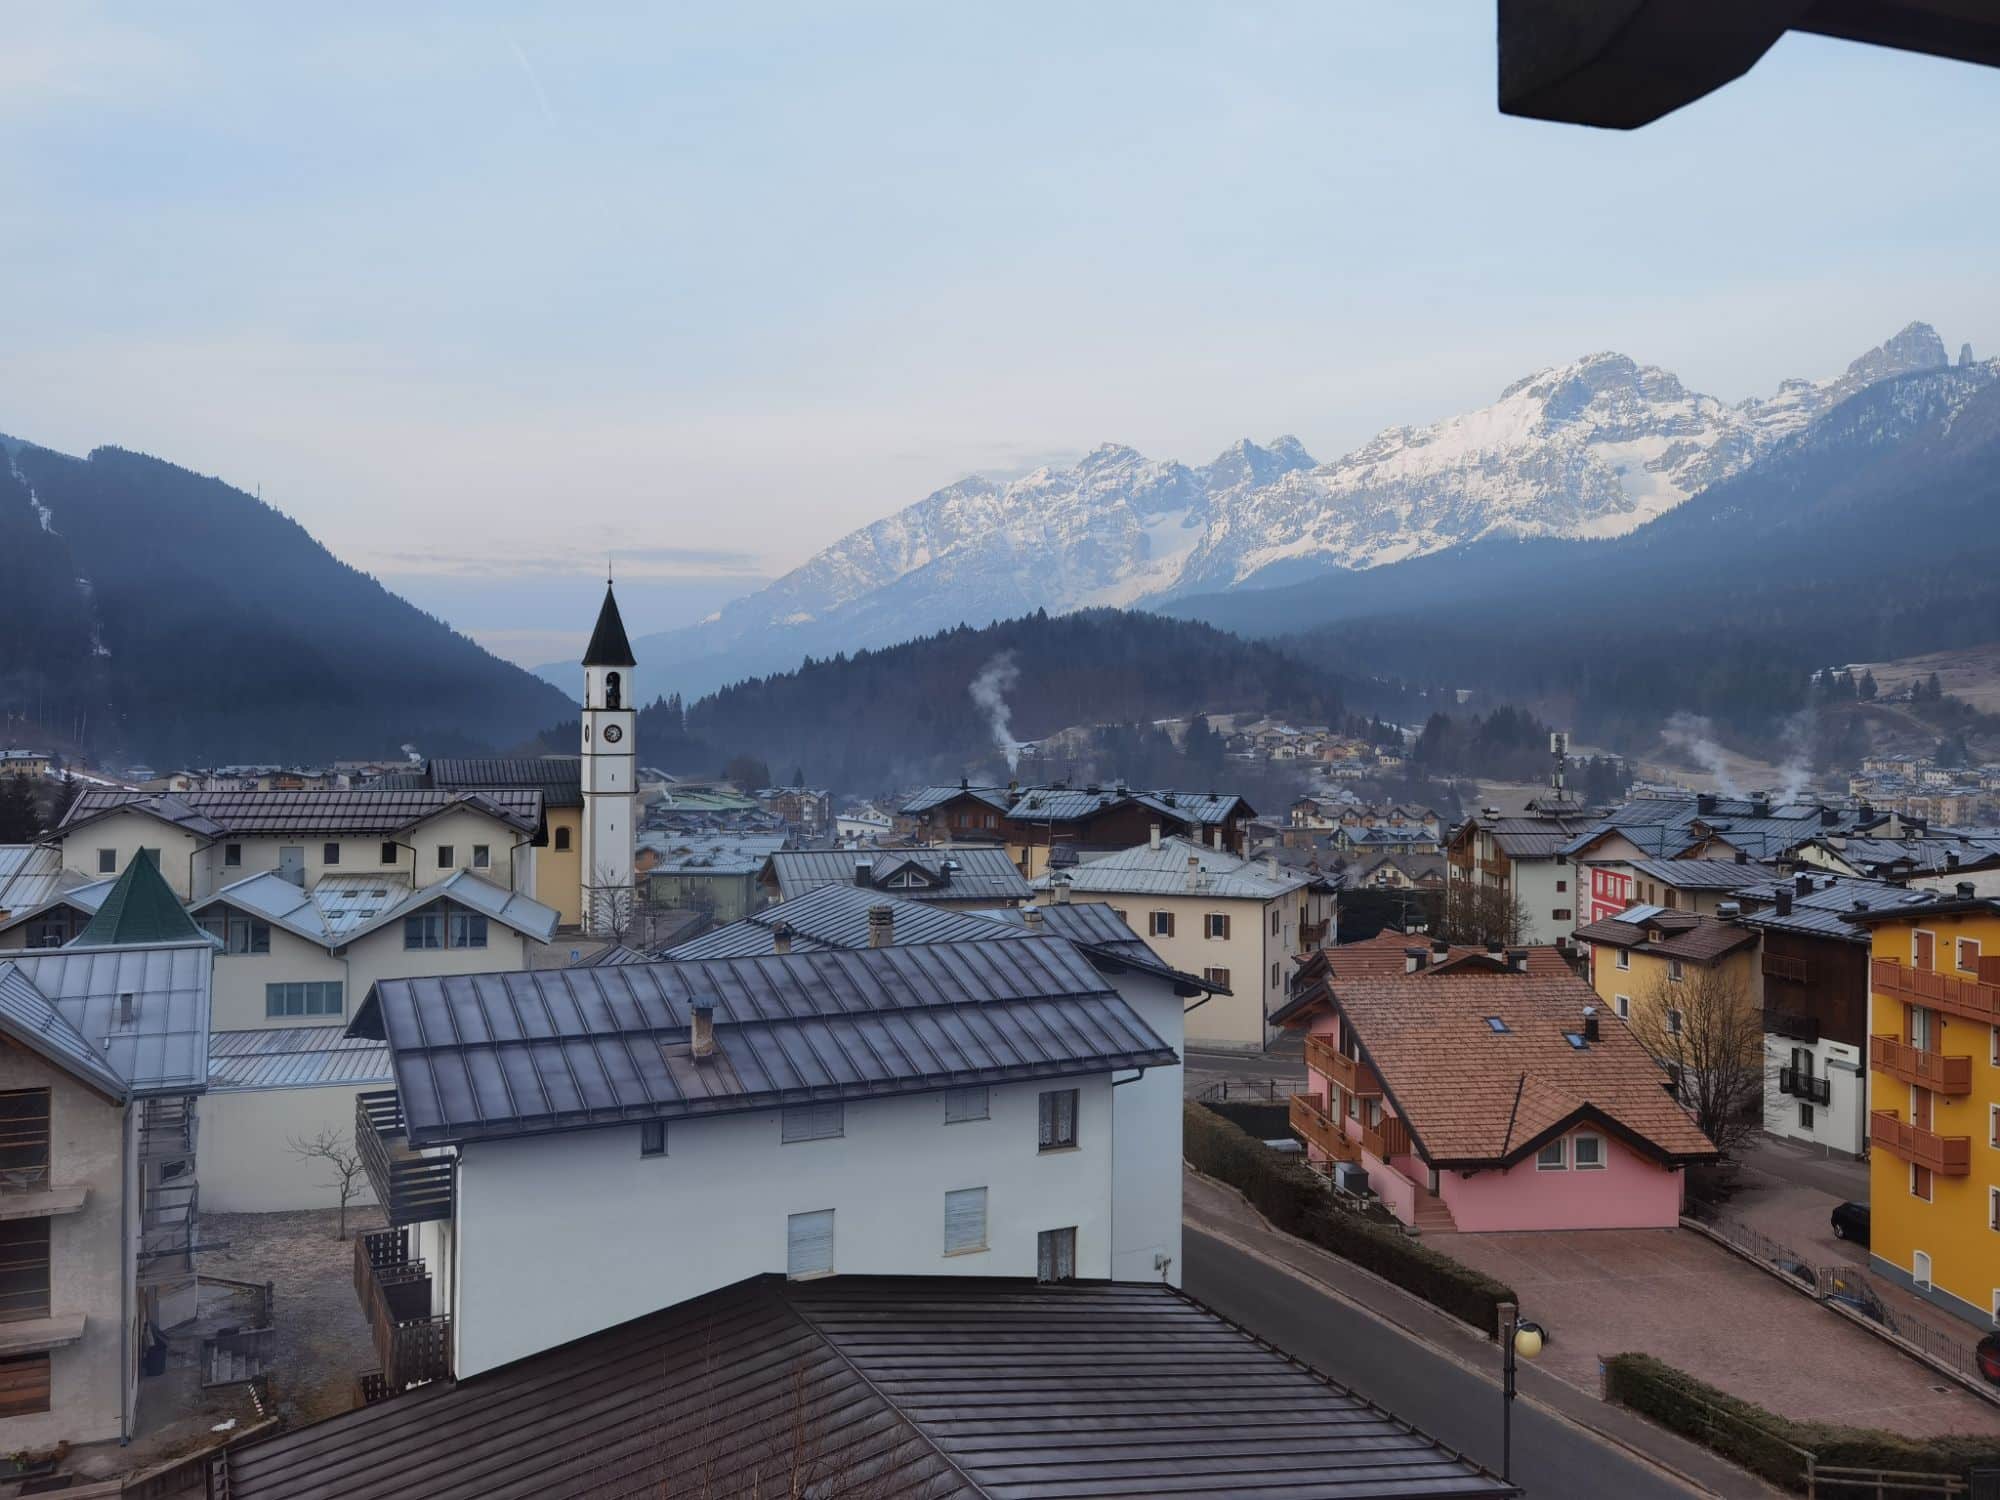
x=1916, y=347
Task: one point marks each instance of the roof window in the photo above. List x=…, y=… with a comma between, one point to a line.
x=1494, y=1023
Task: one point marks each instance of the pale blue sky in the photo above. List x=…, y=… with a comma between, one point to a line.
x=489, y=291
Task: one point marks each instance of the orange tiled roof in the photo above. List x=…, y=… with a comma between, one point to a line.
x=1384, y=957
x=1473, y=1095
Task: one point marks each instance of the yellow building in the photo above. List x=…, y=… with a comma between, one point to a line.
x=1934, y=1101
x=1648, y=956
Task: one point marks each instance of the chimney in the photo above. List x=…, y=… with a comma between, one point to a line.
x=1271, y=865
x=1742, y=857
x=864, y=872
x=1827, y=816
x=1784, y=903
x=1760, y=806
x=1965, y=889
x=1517, y=960
x=881, y=926
x=1061, y=884
x=1440, y=948
x=1153, y=836
x=1867, y=811
x=1802, y=883
x=1704, y=803
x=1194, y=872
x=1414, y=958
x=1729, y=911
x=781, y=938
x=1951, y=859
x=1590, y=1023
x=1496, y=948
x=701, y=1034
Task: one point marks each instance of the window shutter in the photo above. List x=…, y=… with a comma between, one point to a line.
x=965, y=1220
x=813, y=1122
x=966, y=1104
x=809, y=1243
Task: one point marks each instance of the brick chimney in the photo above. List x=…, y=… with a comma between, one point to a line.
x=701, y=1033
x=881, y=926
x=781, y=938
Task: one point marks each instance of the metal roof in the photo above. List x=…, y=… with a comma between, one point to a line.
x=1703, y=874
x=484, y=1055
x=978, y=873
x=84, y=898
x=923, y=800
x=341, y=909
x=1163, y=871
x=293, y=1057
x=1827, y=907
x=32, y=1020
x=140, y=908
x=1665, y=826
x=164, y=1048
x=836, y=916
x=559, y=778
x=29, y=875
x=608, y=646
x=215, y=815
x=933, y=1388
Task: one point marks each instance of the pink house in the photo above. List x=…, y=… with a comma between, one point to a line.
x=1482, y=1091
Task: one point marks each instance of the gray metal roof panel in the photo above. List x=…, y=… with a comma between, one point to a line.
x=981, y=873
x=289, y=1057
x=164, y=1049
x=220, y=814
x=1163, y=871
x=29, y=875
x=1826, y=909
x=33, y=1020
x=1704, y=874
x=517, y=1053
x=926, y=798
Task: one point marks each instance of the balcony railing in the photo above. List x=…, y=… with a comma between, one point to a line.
x=1390, y=1138
x=1801, y=1083
x=1793, y=1028
x=413, y=1343
x=1935, y=991
x=1946, y=1155
x=1929, y=1070
x=1312, y=934
x=410, y=1187
x=1315, y=1127
x=1329, y=1060
x=167, y=1127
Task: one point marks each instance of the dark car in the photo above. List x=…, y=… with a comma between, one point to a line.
x=1850, y=1222
x=1986, y=1354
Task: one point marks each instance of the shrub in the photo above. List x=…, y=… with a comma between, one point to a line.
x=1766, y=1443
x=1295, y=1199
x=1266, y=1122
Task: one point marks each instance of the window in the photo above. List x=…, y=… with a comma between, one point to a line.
x=1055, y=1254
x=388, y=851
x=813, y=1122
x=1673, y=1022
x=1277, y=978
x=24, y=1269
x=1554, y=1157
x=1561, y=886
x=24, y=1136
x=1589, y=1153
x=482, y=856
x=107, y=861
x=1216, y=976
x=1216, y=925
x=329, y=854
x=467, y=929
x=1058, y=1119
x=445, y=857
x=1560, y=914
x=653, y=1138
x=1495, y=1024
x=24, y=1384
x=1624, y=959
x=1968, y=955
x=562, y=838
x=1806, y=1116
x=1993, y=1126
x=1993, y=1209
x=1159, y=924
x=1274, y=921
x=238, y=933
x=1624, y=1005
x=965, y=1221
x=232, y=855
x=1923, y=949
x=1920, y=1269
x=423, y=929
x=809, y=1243
x=1920, y=1183
x=311, y=997
x=1674, y=970
x=1993, y=1046
x=961, y=1105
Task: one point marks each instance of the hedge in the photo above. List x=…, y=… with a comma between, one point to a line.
x=1266, y=1122
x=1763, y=1442
x=1295, y=1199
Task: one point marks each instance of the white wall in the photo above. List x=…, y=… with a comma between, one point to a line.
x=126, y=834
x=1841, y=1123
x=1146, y=1145
x=246, y=1163
x=561, y=1235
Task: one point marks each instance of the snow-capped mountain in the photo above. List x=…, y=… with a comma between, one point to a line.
x=1594, y=448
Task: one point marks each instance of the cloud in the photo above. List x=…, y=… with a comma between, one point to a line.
x=63, y=55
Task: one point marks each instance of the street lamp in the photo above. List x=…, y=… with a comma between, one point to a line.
x=1525, y=1340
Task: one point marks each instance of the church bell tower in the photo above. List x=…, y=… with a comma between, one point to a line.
x=610, y=787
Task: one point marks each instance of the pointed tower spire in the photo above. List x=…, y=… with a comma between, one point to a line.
x=608, y=646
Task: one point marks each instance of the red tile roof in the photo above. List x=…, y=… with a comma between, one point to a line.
x=1385, y=956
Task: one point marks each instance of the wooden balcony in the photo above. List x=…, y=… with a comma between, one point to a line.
x=410, y=1187
x=413, y=1343
x=1327, y=1059
x=1390, y=1138
x=1946, y=1155
x=1936, y=991
x=1312, y=1124
x=1930, y=1070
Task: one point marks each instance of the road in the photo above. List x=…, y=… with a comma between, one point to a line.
x=1552, y=1459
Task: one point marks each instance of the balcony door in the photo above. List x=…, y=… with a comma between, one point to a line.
x=1920, y=1107
x=1920, y=1027
x=1923, y=950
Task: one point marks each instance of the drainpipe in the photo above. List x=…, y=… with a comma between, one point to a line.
x=125, y=1280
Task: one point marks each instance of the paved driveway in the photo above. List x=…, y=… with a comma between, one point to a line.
x=1677, y=1295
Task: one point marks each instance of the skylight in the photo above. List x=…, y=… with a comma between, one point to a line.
x=1495, y=1023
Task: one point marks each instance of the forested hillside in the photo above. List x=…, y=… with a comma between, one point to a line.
x=151, y=613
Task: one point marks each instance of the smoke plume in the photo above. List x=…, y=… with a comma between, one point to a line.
x=411, y=752
x=1796, y=772
x=1694, y=736
x=989, y=690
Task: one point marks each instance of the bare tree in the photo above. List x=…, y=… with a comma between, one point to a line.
x=342, y=1159
x=614, y=906
x=1704, y=1028
x=1478, y=914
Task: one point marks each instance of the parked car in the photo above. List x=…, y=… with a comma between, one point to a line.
x=1850, y=1222
x=1986, y=1354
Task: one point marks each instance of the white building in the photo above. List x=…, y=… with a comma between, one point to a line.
x=1498, y=864
x=636, y=1135
x=610, y=777
x=1240, y=924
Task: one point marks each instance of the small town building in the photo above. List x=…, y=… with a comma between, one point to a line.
x=1044, y=825
x=559, y=778
x=1640, y=959
x=968, y=877
x=1515, y=867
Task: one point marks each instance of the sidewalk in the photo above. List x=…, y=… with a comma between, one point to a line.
x=1221, y=1211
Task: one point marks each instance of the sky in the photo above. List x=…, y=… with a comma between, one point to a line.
x=487, y=294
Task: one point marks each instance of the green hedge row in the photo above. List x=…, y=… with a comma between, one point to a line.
x=1294, y=1198
x=1267, y=1122
x=1764, y=1442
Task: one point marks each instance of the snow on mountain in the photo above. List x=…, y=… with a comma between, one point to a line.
x=1594, y=448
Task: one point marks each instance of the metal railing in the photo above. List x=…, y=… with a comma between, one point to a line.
x=410, y=1187
x=1260, y=1090
x=1814, y=1088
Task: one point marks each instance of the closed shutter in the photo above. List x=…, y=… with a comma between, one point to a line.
x=809, y=1243
x=813, y=1122
x=966, y=1104
x=24, y=1384
x=965, y=1220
